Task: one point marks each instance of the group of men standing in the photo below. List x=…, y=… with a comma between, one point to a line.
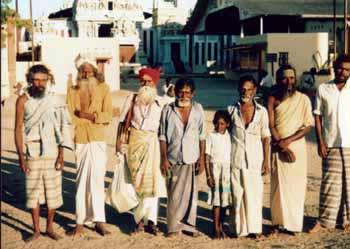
x=166, y=150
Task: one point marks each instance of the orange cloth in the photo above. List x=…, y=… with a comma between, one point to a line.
x=153, y=73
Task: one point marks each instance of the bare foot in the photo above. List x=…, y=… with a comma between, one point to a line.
x=274, y=231
x=140, y=227
x=100, y=229
x=217, y=235
x=346, y=228
x=76, y=231
x=317, y=228
x=53, y=235
x=33, y=237
x=173, y=234
x=152, y=229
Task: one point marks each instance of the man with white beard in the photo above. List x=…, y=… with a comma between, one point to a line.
x=250, y=152
x=141, y=113
x=90, y=106
x=182, y=145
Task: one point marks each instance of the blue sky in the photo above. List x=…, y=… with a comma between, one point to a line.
x=41, y=7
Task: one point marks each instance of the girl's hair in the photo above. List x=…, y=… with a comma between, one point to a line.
x=225, y=115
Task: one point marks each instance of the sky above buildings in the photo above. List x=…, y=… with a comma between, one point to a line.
x=44, y=7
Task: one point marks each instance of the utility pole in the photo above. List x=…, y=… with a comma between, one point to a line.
x=346, y=31
x=334, y=29
x=31, y=20
x=17, y=30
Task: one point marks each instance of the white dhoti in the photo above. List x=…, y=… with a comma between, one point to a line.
x=91, y=162
x=147, y=210
x=247, y=185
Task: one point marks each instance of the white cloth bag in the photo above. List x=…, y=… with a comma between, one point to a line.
x=121, y=193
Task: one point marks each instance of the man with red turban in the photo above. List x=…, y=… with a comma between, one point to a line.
x=141, y=114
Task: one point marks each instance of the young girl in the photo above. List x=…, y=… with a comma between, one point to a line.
x=218, y=169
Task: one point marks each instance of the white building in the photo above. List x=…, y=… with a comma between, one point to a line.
x=235, y=20
x=120, y=19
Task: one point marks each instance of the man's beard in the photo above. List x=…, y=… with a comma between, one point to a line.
x=146, y=95
x=183, y=102
x=341, y=79
x=36, y=92
x=286, y=90
x=246, y=99
x=87, y=84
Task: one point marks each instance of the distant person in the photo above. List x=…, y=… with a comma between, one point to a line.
x=267, y=80
x=168, y=83
x=250, y=137
x=290, y=119
x=90, y=107
x=333, y=140
x=182, y=146
x=43, y=160
x=169, y=97
x=218, y=169
x=265, y=86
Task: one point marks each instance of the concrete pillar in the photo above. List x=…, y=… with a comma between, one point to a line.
x=261, y=25
x=11, y=52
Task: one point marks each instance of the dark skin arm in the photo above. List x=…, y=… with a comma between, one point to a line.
x=85, y=115
x=210, y=179
x=270, y=109
x=19, y=132
x=60, y=159
x=266, y=149
x=322, y=149
x=200, y=165
x=164, y=162
x=285, y=142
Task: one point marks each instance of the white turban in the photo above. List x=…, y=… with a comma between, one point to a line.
x=85, y=58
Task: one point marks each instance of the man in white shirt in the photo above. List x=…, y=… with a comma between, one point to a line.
x=250, y=136
x=333, y=138
x=143, y=112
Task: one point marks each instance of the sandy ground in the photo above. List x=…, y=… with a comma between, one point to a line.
x=16, y=224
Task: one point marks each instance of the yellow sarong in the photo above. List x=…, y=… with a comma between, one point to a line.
x=144, y=164
x=288, y=180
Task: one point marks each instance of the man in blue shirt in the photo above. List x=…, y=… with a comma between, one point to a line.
x=182, y=144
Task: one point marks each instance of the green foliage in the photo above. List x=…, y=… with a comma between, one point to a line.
x=26, y=23
x=6, y=11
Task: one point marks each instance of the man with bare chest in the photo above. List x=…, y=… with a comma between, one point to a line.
x=182, y=145
x=90, y=107
x=290, y=119
x=250, y=137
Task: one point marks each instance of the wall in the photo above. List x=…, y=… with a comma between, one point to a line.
x=60, y=53
x=5, y=83
x=301, y=48
x=314, y=26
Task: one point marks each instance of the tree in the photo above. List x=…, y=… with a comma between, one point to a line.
x=6, y=11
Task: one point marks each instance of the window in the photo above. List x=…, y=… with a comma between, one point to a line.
x=196, y=51
x=215, y=51
x=145, y=41
x=110, y=5
x=283, y=58
x=209, y=51
x=203, y=53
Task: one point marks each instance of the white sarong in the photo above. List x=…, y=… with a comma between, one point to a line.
x=247, y=185
x=91, y=162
